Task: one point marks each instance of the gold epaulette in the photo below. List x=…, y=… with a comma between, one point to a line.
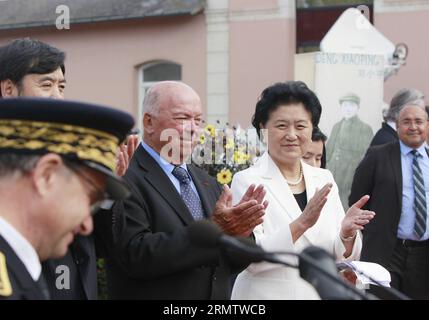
x=5, y=286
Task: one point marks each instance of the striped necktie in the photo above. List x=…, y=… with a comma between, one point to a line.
x=419, y=197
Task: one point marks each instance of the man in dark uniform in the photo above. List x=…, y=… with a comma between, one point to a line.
x=31, y=68
x=346, y=146
x=53, y=155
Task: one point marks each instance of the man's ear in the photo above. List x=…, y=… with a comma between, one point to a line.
x=46, y=173
x=8, y=88
x=148, y=122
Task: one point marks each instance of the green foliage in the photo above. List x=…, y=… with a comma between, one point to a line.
x=101, y=279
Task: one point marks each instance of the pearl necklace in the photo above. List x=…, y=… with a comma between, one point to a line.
x=297, y=182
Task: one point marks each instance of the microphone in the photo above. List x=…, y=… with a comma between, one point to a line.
x=328, y=287
x=316, y=265
x=207, y=234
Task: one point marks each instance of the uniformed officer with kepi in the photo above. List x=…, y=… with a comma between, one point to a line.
x=57, y=163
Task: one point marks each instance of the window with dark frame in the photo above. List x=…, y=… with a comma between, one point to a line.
x=314, y=18
x=151, y=73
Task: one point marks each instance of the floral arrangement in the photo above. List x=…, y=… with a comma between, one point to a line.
x=223, y=151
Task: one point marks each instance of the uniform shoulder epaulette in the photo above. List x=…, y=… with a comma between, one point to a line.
x=5, y=286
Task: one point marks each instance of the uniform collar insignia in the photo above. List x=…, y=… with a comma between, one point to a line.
x=5, y=286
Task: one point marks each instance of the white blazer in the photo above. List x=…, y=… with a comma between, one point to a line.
x=271, y=281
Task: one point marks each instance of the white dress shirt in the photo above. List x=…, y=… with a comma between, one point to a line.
x=408, y=214
x=168, y=168
x=23, y=249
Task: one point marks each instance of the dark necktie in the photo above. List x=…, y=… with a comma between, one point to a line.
x=43, y=286
x=188, y=195
x=419, y=197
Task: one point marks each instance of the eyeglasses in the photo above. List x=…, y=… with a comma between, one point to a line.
x=409, y=123
x=97, y=195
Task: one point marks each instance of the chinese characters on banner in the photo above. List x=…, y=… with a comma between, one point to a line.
x=350, y=89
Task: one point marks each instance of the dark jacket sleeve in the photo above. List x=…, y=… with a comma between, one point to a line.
x=103, y=233
x=146, y=253
x=363, y=180
x=237, y=260
x=383, y=136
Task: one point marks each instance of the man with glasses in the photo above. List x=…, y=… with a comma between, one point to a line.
x=55, y=164
x=155, y=256
x=96, y=193
x=396, y=176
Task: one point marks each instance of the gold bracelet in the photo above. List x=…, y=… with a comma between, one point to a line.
x=348, y=239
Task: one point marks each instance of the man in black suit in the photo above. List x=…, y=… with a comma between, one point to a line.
x=396, y=176
x=56, y=167
x=155, y=258
x=387, y=132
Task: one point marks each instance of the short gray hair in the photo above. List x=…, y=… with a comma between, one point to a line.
x=151, y=101
x=10, y=163
x=402, y=98
x=155, y=96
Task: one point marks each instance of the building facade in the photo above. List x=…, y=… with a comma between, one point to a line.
x=228, y=50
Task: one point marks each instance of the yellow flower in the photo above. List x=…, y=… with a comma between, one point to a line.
x=224, y=176
x=210, y=129
x=229, y=144
x=240, y=157
x=241, y=148
x=202, y=139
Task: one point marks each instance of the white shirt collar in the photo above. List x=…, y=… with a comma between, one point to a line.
x=392, y=124
x=164, y=164
x=405, y=150
x=23, y=249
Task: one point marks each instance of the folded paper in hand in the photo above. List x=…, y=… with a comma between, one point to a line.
x=364, y=269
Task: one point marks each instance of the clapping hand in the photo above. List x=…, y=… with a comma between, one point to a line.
x=241, y=219
x=125, y=153
x=314, y=207
x=356, y=218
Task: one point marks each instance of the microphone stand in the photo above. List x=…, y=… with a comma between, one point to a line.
x=271, y=257
x=314, y=264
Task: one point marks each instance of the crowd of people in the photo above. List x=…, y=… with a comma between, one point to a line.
x=93, y=190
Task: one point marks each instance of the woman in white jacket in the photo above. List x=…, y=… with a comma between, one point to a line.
x=304, y=207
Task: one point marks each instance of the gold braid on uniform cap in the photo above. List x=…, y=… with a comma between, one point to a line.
x=64, y=139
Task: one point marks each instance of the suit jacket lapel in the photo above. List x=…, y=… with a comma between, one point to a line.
x=155, y=176
x=83, y=248
x=278, y=187
x=280, y=191
x=395, y=160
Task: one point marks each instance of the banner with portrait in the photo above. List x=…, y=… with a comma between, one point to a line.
x=350, y=89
